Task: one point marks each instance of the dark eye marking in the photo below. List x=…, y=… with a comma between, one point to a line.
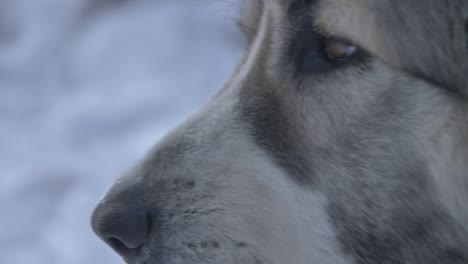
x=312, y=52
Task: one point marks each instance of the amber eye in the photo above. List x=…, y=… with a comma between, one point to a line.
x=338, y=50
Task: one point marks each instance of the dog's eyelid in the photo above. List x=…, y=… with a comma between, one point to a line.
x=338, y=50
x=329, y=37
x=320, y=31
x=326, y=35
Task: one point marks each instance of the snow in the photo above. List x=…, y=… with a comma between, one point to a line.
x=86, y=88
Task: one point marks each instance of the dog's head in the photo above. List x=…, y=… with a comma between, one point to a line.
x=342, y=137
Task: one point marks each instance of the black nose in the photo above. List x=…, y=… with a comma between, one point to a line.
x=124, y=229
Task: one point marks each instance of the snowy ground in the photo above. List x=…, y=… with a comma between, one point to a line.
x=86, y=87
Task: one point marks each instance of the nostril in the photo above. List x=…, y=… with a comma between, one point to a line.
x=118, y=245
x=123, y=229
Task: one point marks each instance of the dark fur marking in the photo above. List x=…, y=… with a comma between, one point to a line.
x=269, y=128
x=306, y=49
x=298, y=6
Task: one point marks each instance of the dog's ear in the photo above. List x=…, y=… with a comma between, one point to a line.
x=426, y=38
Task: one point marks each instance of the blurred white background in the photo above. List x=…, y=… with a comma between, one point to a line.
x=86, y=88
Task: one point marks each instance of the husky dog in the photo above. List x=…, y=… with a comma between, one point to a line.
x=341, y=138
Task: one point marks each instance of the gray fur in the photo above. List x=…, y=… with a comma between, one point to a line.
x=416, y=36
x=365, y=163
